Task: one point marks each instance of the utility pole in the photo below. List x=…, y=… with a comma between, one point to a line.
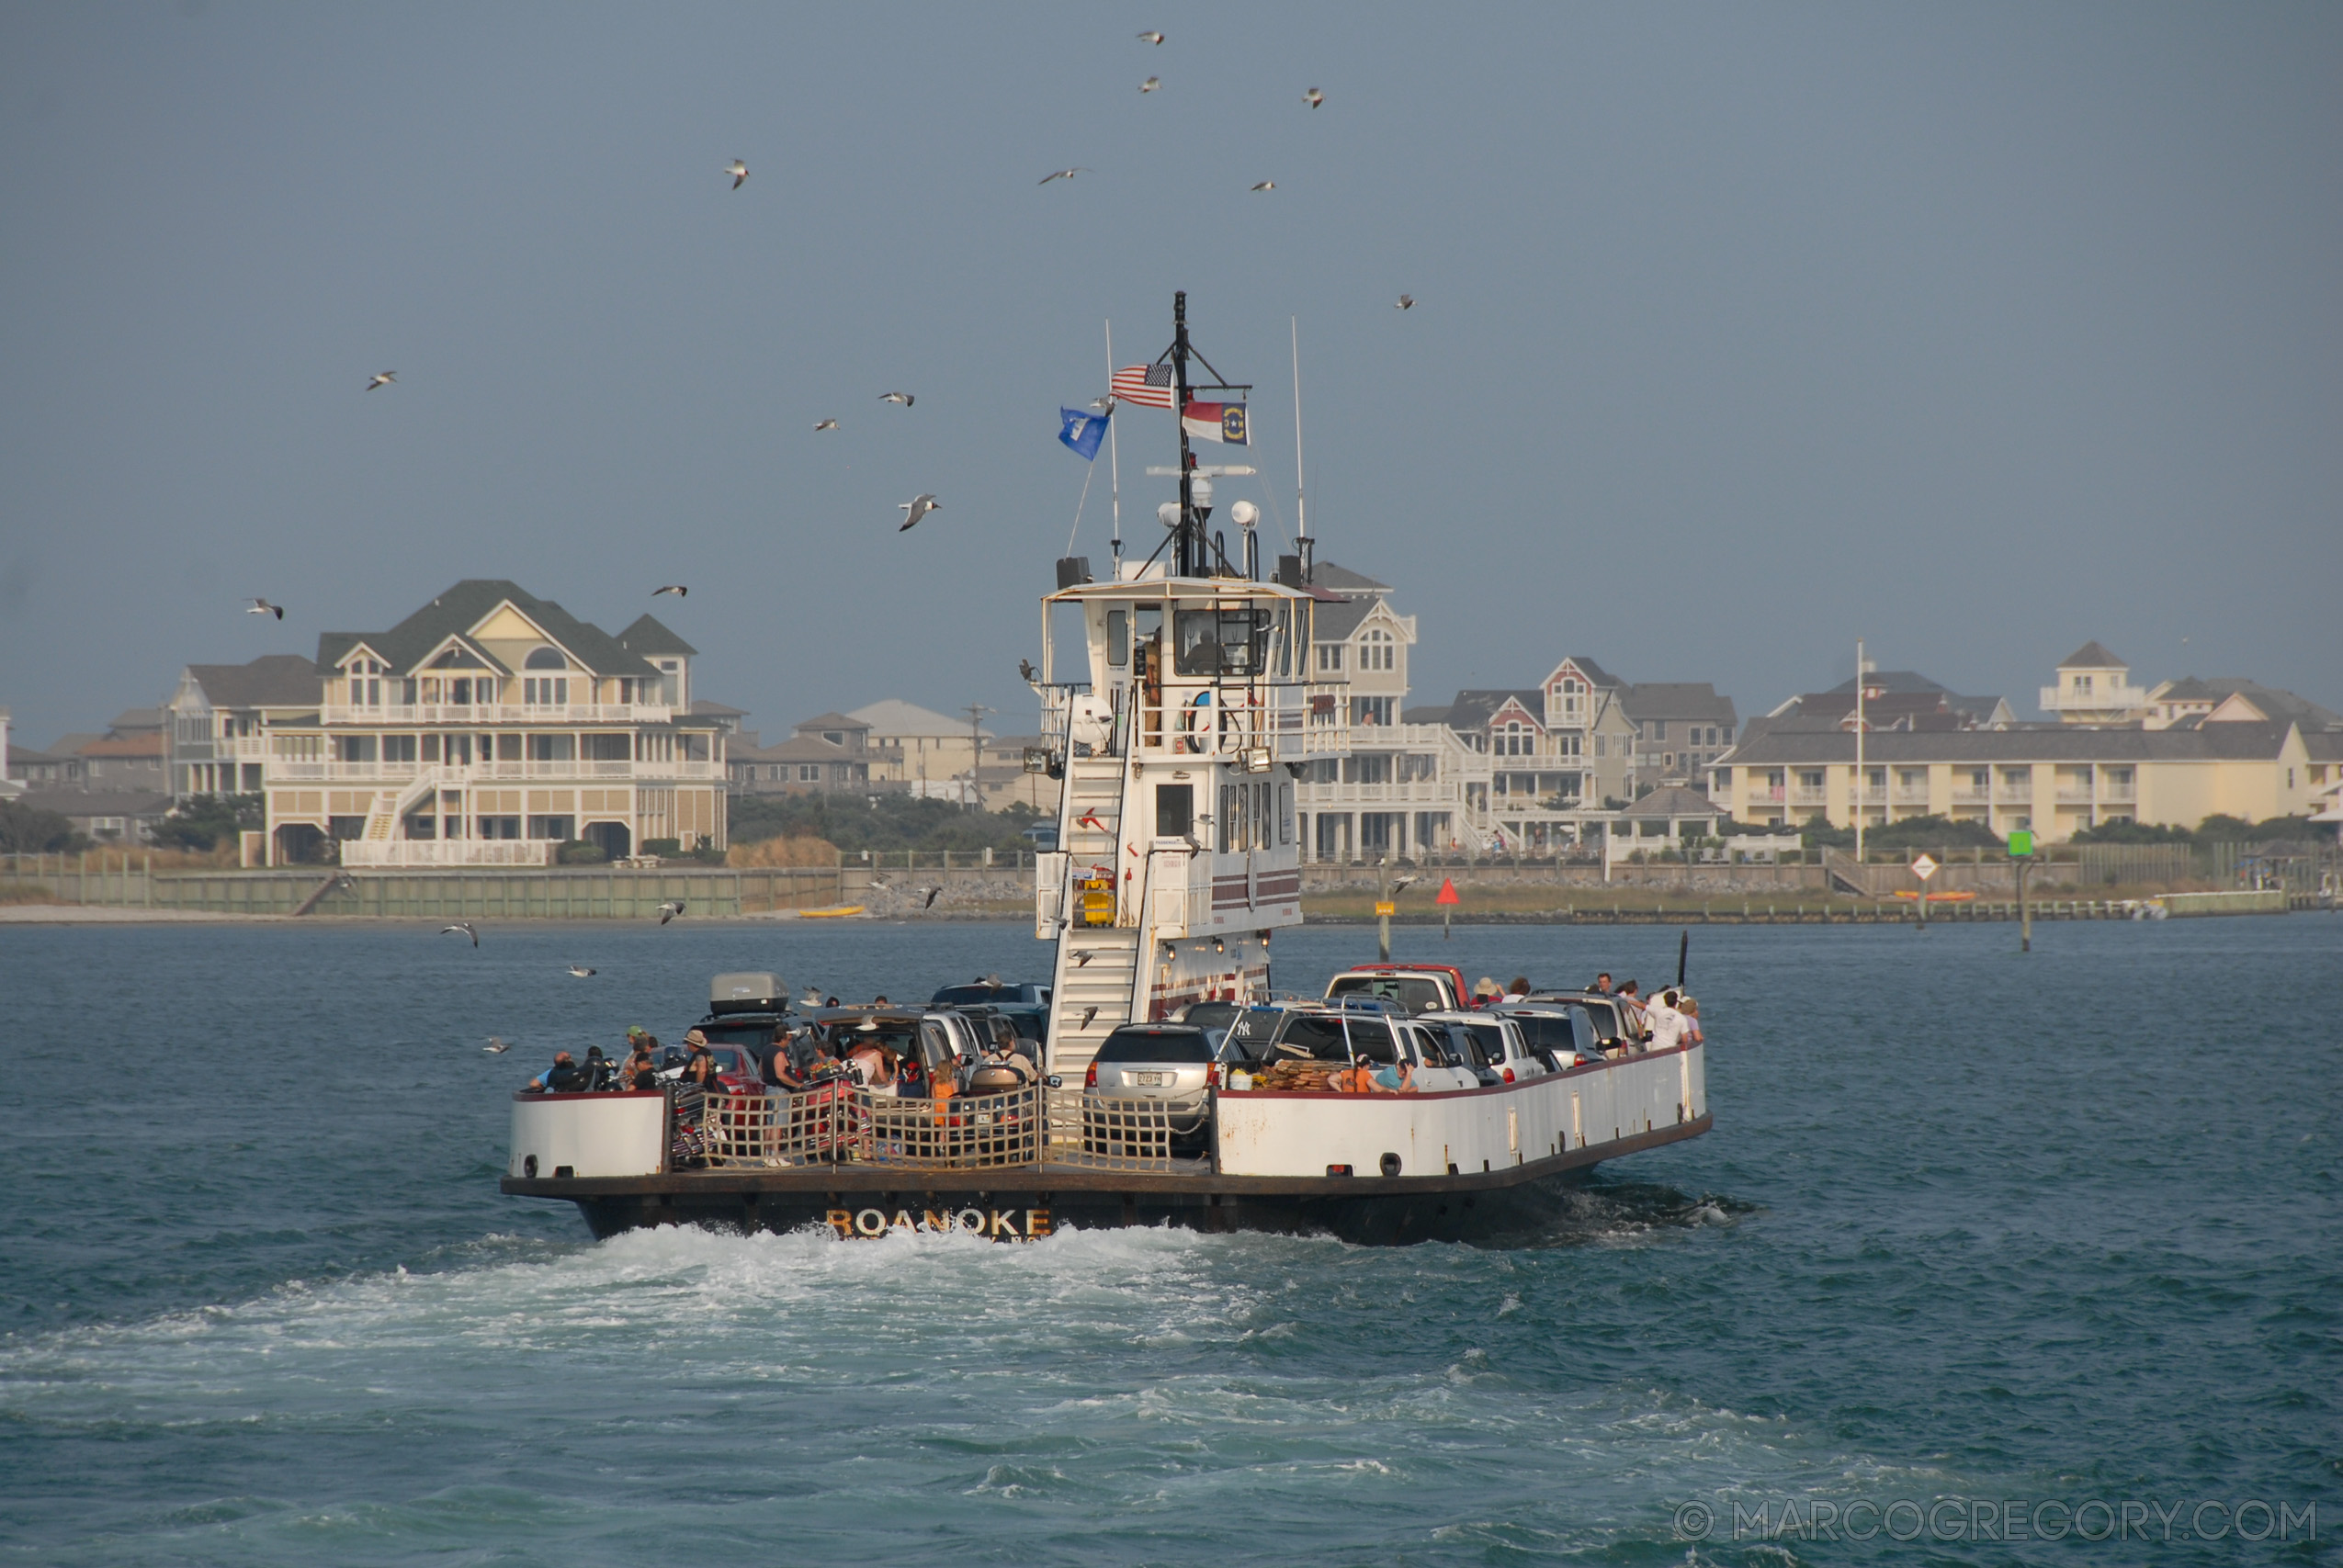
x=1860, y=776
x=1382, y=911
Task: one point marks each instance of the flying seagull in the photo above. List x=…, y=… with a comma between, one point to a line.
x=825, y=425
x=381, y=378
x=1066, y=175
x=579, y=970
x=1313, y=98
x=1088, y=1013
x=678, y=588
x=497, y=1045
x=462, y=928
x=738, y=171
x=1399, y=884
x=1150, y=38
x=262, y=607
x=1406, y=302
x=1150, y=84
x=670, y=909
x=918, y=506
x=931, y=898
x=1266, y=185
x=903, y=398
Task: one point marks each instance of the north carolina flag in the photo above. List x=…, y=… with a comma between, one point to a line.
x=1215, y=421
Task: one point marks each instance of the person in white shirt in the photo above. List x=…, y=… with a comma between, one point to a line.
x=1666, y=1025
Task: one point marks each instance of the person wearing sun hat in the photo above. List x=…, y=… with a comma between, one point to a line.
x=1486, y=990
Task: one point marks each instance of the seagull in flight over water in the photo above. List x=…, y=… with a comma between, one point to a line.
x=918, y=506
x=678, y=588
x=1266, y=185
x=1313, y=98
x=1406, y=302
x=738, y=171
x=1150, y=37
x=497, y=1045
x=821, y=425
x=462, y=928
x=670, y=909
x=579, y=970
x=1150, y=84
x=262, y=607
x=1066, y=175
x=381, y=378
x=905, y=399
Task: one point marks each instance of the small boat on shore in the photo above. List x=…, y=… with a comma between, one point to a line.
x=1181, y=707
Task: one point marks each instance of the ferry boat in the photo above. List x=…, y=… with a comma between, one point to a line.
x=1180, y=710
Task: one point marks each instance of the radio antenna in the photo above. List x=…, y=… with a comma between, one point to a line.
x=1302, y=540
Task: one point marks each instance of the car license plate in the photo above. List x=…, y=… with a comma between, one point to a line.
x=1150, y=1080
x=984, y=1118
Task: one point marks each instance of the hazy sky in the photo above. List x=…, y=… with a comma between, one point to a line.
x=1743, y=331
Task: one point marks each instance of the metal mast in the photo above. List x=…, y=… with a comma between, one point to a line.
x=1189, y=547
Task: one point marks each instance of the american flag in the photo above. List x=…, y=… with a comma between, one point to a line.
x=1144, y=386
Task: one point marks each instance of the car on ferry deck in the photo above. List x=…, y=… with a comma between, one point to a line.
x=1561, y=1035
x=1374, y=1031
x=1417, y=987
x=1618, y=1024
x=1169, y=1061
x=1492, y=1046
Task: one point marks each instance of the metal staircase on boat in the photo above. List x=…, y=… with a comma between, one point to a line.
x=1097, y=973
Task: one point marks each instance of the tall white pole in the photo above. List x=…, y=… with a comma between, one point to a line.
x=1301, y=504
x=1860, y=727
x=1113, y=457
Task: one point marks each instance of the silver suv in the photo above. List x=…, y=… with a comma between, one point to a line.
x=1172, y=1062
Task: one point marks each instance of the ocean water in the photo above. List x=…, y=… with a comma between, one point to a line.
x=1983, y=1244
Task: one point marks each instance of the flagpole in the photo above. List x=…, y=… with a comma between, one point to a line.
x=1114, y=453
x=1302, y=541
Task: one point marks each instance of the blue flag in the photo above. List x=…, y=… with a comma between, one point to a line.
x=1084, y=430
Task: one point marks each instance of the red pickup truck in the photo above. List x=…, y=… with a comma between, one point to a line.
x=1417, y=987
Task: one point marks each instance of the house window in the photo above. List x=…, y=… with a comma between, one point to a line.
x=1569, y=745
x=1368, y=768
x=545, y=658
x=500, y=827
x=809, y=772
x=1329, y=656
x=355, y=747
x=1372, y=710
x=553, y=748
x=559, y=828
x=398, y=747
x=544, y=691
x=1602, y=746
x=1377, y=651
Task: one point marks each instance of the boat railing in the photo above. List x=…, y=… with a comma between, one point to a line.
x=841, y=1124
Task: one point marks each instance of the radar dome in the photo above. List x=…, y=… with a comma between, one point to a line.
x=1244, y=514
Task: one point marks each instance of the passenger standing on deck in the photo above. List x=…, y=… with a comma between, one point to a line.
x=1665, y=1023
x=1691, y=1008
x=641, y=1071
x=1519, y=991
x=1601, y=986
x=1486, y=992
x=773, y=1062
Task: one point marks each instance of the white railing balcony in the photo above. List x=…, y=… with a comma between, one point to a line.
x=2100, y=699
x=1909, y=795
x=1809, y=795
x=499, y=713
x=1425, y=791
x=2119, y=793
x=2073, y=795
x=1970, y=795
x=456, y=775
x=2013, y=794
x=388, y=853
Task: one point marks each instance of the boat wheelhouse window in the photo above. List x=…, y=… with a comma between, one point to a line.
x=1413, y=995
x=1118, y=638
x=1175, y=810
x=1220, y=642
x=1146, y=1044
